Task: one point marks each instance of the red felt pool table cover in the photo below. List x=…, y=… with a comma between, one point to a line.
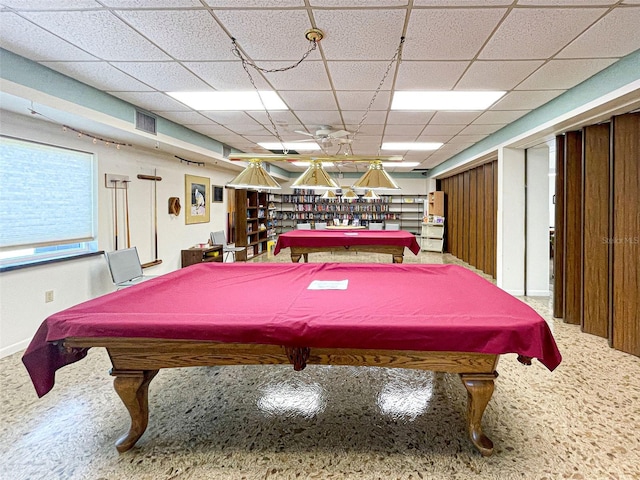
x=386, y=306
x=342, y=238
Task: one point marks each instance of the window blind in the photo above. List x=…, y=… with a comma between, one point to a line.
x=47, y=194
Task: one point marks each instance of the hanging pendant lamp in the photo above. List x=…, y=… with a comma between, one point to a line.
x=329, y=195
x=254, y=176
x=376, y=177
x=370, y=196
x=349, y=195
x=315, y=177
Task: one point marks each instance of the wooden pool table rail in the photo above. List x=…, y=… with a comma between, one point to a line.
x=136, y=361
x=397, y=252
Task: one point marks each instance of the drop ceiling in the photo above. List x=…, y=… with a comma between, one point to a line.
x=138, y=50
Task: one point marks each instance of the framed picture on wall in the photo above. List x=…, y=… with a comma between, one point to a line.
x=216, y=193
x=196, y=190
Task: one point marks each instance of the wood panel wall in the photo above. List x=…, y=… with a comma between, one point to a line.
x=572, y=227
x=472, y=202
x=603, y=269
x=595, y=219
x=625, y=237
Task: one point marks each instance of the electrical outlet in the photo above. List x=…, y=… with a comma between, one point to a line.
x=48, y=296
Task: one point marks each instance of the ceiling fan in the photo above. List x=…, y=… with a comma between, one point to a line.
x=326, y=135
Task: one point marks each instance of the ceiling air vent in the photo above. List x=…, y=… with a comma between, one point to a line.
x=145, y=122
x=226, y=151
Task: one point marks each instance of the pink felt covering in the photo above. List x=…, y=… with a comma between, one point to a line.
x=341, y=238
x=386, y=306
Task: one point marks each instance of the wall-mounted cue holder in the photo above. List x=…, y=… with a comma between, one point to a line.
x=116, y=181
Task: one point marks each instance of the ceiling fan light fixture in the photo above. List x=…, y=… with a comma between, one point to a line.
x=376, y=178
x=315, y=177
x=254, y=176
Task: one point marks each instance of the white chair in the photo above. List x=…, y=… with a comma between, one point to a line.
x=392, y=226
x=321, y=226
x=303, y=226
x=219, y=238
x=375, y=225
x=125, y=268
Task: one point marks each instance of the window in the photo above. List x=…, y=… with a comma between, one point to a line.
x=47, y=202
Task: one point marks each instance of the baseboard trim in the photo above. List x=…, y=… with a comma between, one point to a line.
x=16, y=347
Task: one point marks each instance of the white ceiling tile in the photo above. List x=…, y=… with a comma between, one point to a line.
x=374, y=117
x=350, y=75
x=248, y=130
x=350, y=100
x=408, y=130
x=282, y=118
x=183, y=34
x=615, y=35
x=538, y=33
x=399, y=138
x=22, y=5
x=517, y=100
x=211, y=129
x=358, y=3
x=26, y=39
x=409, y=118
x=445, y=34
x=454, y=118
x=229, y=139
x=461, y=3
x=163, y=76
x=496, y=75
x=319, y=117
x=152, y=101
x=269, y=34
x=564, y=74
x=151, y=3
x=309, y=75
x=100, y=75
x=297, y=100
x=368, y=129
x=355, y=34
x=500, y=117
x=190, y=118
x=436, y=138
x=230, y=118
x=443, y=129
x=100, y=33
x=631, y=2
x=415, y=75
x=256, y=3
x=483, y=129
x=226, y=75
x=567, y=3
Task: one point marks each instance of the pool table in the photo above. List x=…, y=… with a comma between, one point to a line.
x=303, y=242
x=432, y=317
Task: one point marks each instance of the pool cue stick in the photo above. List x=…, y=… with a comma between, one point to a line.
x=115, y=208
x=126, y=203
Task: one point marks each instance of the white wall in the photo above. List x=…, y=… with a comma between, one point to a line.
x=511, y=202
x=537, y=261
x=22, y=306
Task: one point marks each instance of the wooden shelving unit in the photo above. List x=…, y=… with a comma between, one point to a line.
x=195, y=255
x=436, y=203
x=252, y=216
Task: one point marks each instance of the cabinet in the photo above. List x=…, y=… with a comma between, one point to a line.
x=252, y=216
x=195, y=255
x=436, y=204
x=432, y=234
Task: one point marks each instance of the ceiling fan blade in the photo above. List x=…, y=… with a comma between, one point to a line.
x=304, y=133
x=301, y=141
x=339, y=133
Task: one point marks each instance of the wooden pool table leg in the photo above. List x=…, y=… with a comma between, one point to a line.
x=132, y=386
x=398, y=258
x=479, y=391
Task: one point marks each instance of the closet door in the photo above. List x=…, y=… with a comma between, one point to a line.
x=625, y=238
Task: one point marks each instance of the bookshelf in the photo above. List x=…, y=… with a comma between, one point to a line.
x=304, y=206
x=252, y=217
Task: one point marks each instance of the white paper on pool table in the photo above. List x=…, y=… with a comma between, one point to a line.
x=328, y=285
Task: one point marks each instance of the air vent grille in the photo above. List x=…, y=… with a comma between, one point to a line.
x=145, y=122
x=226, y=151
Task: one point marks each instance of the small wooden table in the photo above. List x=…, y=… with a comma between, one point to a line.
x=195, y=255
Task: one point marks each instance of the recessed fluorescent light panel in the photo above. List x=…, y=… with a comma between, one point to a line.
x=298, y=147
x=422, y=146
x=449, y=100
x=233, y=101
